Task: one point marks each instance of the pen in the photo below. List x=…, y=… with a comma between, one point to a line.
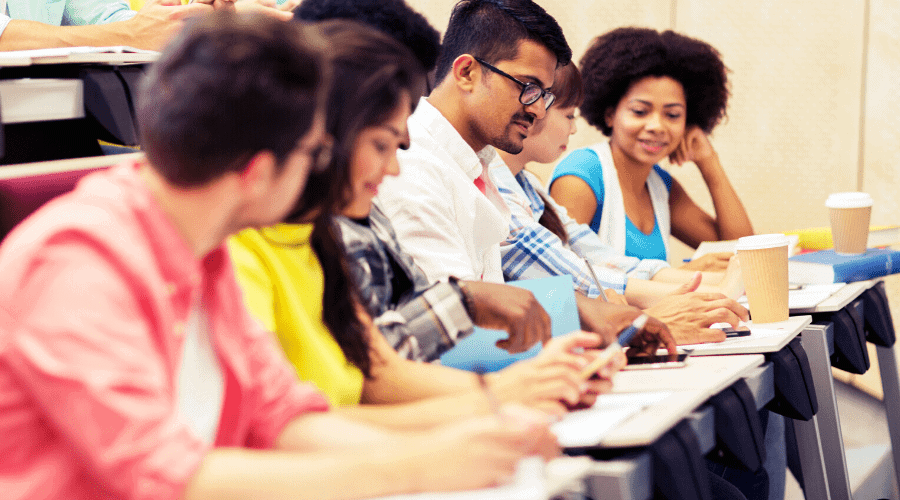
x=594, y=275
x=611, y=350
x=489, y=394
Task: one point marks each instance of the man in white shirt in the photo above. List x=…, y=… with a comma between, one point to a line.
x=497, y=61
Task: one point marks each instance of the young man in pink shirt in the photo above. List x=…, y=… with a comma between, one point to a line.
x=130, y=369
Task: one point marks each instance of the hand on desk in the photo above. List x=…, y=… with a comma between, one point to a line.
x=153, y=25
x=479, y=452
x=551, y=380
x=505, y=307
x=712, y=262
x=689, y=315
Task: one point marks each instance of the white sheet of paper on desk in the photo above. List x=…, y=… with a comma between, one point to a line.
x=756, y=334
x=528, y=484
x=587, y=427
x=67, y=51
x=807, y=297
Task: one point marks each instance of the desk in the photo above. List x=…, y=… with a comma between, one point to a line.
x=770, y=337
x=630, y=477
x=818, y=341
x=56, y=108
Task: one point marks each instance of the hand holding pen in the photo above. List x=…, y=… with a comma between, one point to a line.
x=643, y=334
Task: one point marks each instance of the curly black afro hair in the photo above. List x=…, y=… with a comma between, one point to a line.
x=619, y=58
x=392, y=17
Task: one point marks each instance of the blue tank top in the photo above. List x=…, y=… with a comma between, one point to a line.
x=585, y=164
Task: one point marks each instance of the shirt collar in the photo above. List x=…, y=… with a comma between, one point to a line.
x=177, y=261
x=447, y=137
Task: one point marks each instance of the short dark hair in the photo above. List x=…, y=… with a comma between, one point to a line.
x=493, y=30
x=371, y=71
x=568, y=87
x=227, y=87
x=393, y=17
x=619, y=58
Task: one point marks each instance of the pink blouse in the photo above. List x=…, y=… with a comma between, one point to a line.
x=95, y=289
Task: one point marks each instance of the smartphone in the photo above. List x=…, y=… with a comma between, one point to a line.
x=656, y=361
x=741, y=331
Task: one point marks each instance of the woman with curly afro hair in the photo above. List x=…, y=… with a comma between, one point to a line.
x=655, y=95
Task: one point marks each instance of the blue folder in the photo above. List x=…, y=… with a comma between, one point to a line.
x=477, y=352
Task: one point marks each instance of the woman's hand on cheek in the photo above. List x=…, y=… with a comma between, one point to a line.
x=694, y=147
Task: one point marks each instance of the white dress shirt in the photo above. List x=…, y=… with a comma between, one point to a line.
x=441, y=218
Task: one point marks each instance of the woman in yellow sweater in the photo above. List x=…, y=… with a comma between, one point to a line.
x=337, y=346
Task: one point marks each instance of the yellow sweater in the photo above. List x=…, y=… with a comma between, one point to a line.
x=283, y=282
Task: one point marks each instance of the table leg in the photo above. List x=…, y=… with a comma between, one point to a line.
x=826, y=423
x=890, y=383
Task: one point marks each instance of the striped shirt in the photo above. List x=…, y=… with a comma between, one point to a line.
x=65, y=12
x=533, y=251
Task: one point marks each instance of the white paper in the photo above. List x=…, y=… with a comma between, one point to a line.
x=706, y=247
x=587, y=427
x=807, y=297
x=528, y=484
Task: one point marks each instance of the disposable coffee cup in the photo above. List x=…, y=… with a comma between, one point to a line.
x=764, y=265
x=850, y=213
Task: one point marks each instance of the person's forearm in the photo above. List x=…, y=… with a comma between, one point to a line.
x=643, y=294
x=732, y=221
x=404, y=381
x=680, y=276
x=26, y=35
x=227, y=474
x=420, y=415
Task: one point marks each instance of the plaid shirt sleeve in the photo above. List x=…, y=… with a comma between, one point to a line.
x=423, y=328
x=426, y=322
x=533, y=251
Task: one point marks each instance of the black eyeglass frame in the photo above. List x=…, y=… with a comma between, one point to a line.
x=548, y=96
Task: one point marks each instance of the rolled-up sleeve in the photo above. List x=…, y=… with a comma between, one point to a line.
x=80, y=345
x=86, y=12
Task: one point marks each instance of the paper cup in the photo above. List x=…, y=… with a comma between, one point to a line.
x=764, y=265
x=850, y=213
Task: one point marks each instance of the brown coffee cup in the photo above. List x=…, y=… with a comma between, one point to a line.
x=764, y=264
x=850, y=214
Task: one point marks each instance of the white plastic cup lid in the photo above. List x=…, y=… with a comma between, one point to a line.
x=761, y=241
x=849, y=200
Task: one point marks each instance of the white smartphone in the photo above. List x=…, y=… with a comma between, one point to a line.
x=656, y=361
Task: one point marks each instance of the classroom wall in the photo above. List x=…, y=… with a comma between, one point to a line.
x=815, y=104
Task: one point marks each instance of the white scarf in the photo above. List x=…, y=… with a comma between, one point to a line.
x=612, y=219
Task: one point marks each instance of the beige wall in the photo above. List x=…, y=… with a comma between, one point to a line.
x=797, y=116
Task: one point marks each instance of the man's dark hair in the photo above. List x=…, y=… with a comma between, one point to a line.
x=393, y=17
x=493, y=30
x=619, y=58
x=226, y=88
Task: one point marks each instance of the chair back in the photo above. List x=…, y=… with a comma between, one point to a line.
x=26, y=187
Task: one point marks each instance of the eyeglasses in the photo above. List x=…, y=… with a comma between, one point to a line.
x=321, y=154
x=530, y=91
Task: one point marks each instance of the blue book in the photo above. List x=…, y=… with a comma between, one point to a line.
x=477, y=352
x=825, y=266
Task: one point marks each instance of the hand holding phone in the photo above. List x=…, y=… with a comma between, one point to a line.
x=656, y=361
x=741, y=331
